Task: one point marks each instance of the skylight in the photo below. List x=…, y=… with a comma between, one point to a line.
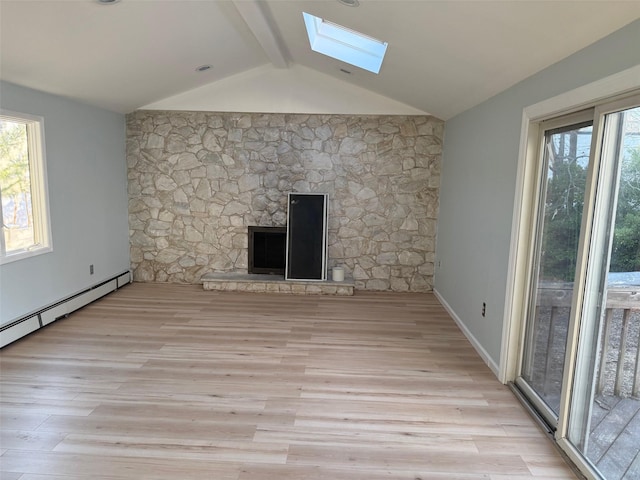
x=344, y=44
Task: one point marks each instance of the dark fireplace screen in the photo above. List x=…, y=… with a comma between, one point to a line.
x=267, y=250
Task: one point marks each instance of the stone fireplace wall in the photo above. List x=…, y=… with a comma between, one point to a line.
x=197, y=180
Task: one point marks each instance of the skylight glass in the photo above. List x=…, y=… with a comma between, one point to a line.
x=344, y=44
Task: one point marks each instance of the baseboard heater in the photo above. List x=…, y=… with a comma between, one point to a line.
x=30, y=323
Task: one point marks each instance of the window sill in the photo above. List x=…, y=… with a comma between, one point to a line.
x=14, y=257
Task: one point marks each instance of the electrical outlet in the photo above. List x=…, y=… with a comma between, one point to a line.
x=484, y=308
x=91, y=269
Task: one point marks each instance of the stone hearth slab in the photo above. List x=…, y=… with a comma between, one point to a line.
x=242, y=282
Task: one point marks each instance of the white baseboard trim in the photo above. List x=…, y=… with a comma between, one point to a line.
x=33, y=321
x=474, y=342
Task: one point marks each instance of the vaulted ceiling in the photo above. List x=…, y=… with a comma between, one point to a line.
x=443, y=56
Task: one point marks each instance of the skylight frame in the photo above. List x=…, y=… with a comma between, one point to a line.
x=345, y=44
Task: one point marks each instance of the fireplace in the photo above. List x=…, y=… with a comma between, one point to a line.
x=267, y=250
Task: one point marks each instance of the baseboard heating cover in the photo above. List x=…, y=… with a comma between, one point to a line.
x=30, y=323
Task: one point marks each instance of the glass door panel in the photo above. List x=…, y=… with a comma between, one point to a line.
x=561, y=200
x=604, y=414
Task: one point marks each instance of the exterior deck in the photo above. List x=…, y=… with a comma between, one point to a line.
x=614, y=431
x=614, y=437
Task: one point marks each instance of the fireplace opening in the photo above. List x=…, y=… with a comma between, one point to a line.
x=267, y=250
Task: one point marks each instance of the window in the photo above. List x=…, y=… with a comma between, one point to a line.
x=23, y=187
x=344, y=44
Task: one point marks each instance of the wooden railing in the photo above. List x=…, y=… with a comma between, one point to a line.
x=623, y=312
x=618, y=362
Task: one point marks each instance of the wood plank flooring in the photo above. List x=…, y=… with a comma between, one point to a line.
x=613, y=441
x=171, y=382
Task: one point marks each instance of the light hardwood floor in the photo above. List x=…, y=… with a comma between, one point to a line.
x=171, y=382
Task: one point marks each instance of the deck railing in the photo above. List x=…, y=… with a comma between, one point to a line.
x=623, y=314
x=619, y=356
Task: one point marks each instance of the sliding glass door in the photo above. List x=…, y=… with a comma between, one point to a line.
x=580, y=360
x=604, y=408
x=565, y=162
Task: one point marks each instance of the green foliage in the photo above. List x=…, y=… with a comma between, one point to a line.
x=563, y=211
x=14, y=159
x=625, y=255
x=14, y=172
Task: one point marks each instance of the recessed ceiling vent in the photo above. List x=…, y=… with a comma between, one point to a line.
x=344, y=44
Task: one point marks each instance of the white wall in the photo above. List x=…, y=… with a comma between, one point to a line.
x=85, y=152
x=296, y=89
x=478, y=186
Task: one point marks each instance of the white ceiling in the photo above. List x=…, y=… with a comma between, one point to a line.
x=443, y=56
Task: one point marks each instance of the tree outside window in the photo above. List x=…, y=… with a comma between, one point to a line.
x=25, y=226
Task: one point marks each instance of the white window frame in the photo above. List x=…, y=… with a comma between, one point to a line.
x=39, y=188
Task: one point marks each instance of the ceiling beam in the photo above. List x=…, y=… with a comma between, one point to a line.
x=254, y=15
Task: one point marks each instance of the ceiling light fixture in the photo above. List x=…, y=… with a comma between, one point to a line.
x=349, y=3
x=203, y=68
x=107, y=2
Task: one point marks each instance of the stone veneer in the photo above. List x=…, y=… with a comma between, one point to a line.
x=261, y=283
x=197, y=180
